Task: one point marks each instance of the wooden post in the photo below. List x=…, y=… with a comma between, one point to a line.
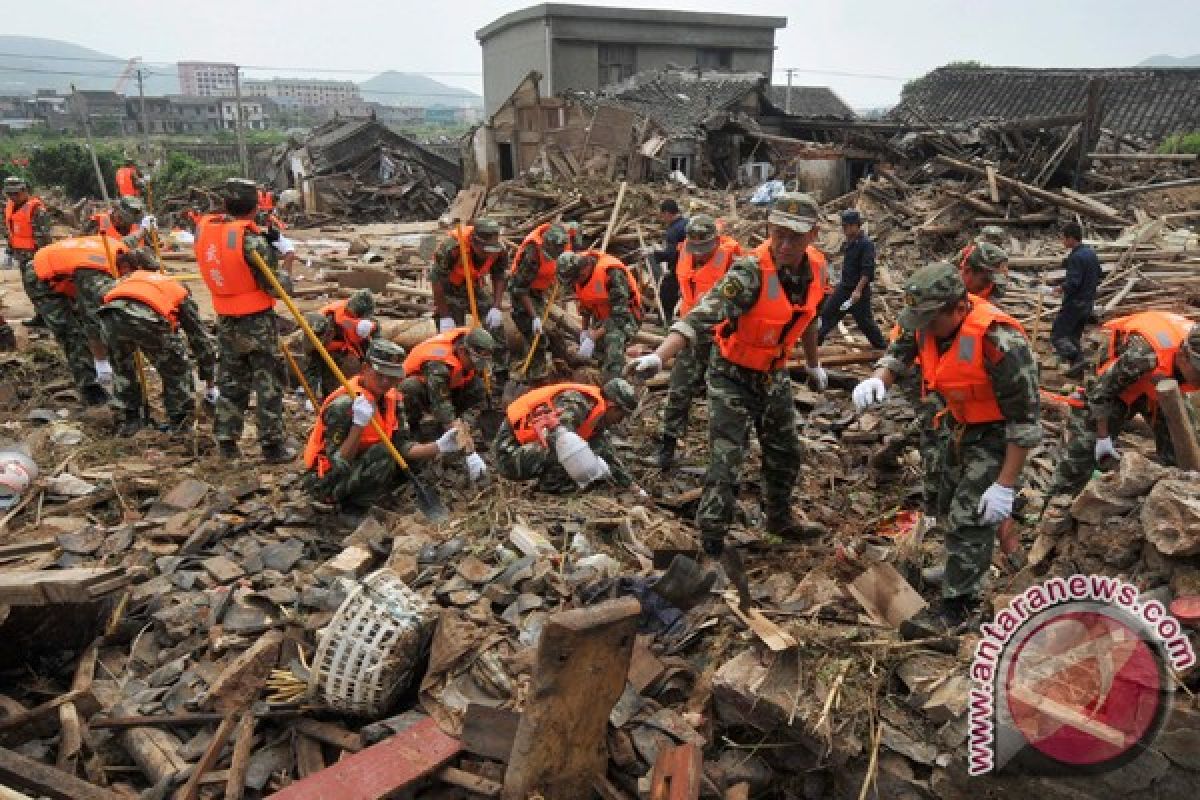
x=613, y=219
x=87, y=131
x=70, y=741
x=677, y=774
x=1183, y=437
x=191, y=789
x=235, y=784
x=582, y=660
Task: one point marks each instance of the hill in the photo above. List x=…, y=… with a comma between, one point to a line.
x=1171, y=61
x=29, y=63
x=409, y=89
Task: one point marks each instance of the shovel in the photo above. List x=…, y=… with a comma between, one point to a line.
x=428, y=501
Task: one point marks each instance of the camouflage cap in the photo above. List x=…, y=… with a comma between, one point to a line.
x=986, y=257
x=486, y=235
x=701, y=233
x=1191, y=345
x=361, y=304
x=928, y=291
x=622, y=393
x=570, y=265
x=386, y=357
x=318, y=322
x=132, y=208
x=557, y=235
x=479, y=343
x=240, y=188
x=795, y=211
x=13, y=184
x=991, y=233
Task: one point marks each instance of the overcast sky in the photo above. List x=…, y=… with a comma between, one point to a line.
x=897, y=38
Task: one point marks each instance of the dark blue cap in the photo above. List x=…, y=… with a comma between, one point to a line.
x=851, y=216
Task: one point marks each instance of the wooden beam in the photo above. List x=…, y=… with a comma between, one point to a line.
x=1148, y=187
x=1183, y=438
x=235, y=783
x=191, y=789
x=42, y=780
x=329, y=733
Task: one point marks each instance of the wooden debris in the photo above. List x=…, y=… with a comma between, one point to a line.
x=1183, y=436
x=677, y=774
x=885, y=595
x=51, y=586
x=774, y=637
x=45, y=781
x=244, y=677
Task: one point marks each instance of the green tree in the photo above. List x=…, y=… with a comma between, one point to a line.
x=182, y=171
x=1181, y=143
x=68, y=165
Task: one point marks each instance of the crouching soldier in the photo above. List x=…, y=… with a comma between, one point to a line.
x=558, y=435
x=348, y=464
x=610, y=301
x=346, y=329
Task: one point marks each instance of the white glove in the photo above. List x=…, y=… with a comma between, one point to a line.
x=362, y=411
x=868, y=393
x=446, y=324
x=104, y=372
x=819, y=377
x=149, y=221
x=308, y=406
x=495, y=319
x=476, y=469
x=537, y=325
x=646, y=367
x=448, y=442
x=602, y=471
x=586, y=347
x=1105, y=447
x=211, y=394
x=996, y=504
x=364, y=328
x=846, y=305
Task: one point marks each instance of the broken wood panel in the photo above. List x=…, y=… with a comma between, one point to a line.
x=489, y=732
x=45, y=781
x=677, y=774
x=885, y=595
x=49, y=586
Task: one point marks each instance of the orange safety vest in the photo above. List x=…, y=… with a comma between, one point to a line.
x=266, y=200
x=695, y=283
x=440, y=348
x=458, y=275
x=1165, y=332
x=158, y=291
x=57, y=263
x=521, y=411
x=592, y=295
x=230, y=280
x=547, y=267
x=762, y=338
x=959, y=375
x=314, y=450
x=126, y=187
x=347, y=326
x=19, y=223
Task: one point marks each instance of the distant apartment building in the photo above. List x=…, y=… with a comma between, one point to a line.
x=253, y=116
x=305, y=93
x=206, y=79
x=590, y=47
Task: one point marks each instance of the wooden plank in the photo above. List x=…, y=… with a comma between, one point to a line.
x=775, y=638
x=329, y=733
x=309, y=758
x=1144, y=156
x=581, y=663
x=1183, y=437
x=475, y=784
x=70, y=740
x=50, y=586
x=993, y=189
x=235, y=783
x=885, y=595
x=191, y=789
x=25, y=717
x=489, y=732
x=677, y=775
x=381, y=770
x=42, y=780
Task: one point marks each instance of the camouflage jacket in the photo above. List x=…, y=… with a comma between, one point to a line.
x=199, y=340
x=41, y=225
x=339, y=418
x=447, y=256
x=1104, y=392
x=620, y=303
x=527, y=269
x=437, y=383
x=1014, y=377
x=573, y=408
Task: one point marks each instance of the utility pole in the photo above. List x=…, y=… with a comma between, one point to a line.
x=145, y=122
x=87, y=131
x=787, y=98
x=237, y=122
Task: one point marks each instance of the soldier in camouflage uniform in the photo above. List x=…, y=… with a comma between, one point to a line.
x=766, y=304
x=26, y=229
x=530, y=296
x=992, y=413
x=704, y=260
x=1124, y=389
x=429, y=383
x=348, y=465
x=567, y=408
x=992, y=234
x=132, y=324
x=984, y=268
x=489, y=258
x=346, y=347
x=124, y=217
x=247, y=329
x=611, y=315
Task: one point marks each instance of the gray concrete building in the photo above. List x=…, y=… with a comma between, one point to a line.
x=589, y=47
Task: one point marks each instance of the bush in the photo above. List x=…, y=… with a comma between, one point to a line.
x=69, y=166
x=1181, y=143
x=182, y=171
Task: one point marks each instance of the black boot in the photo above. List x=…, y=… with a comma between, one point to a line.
x=130, y=425
x=785, y=525
x=36, y=321
x=94, y=395
x=278, y=453
x=230, y=451
x=8, y=339
x=666, y=453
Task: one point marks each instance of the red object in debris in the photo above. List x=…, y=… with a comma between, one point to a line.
x=380, y=770
x=677, y=774
x=1186, y=609
x=899, y=526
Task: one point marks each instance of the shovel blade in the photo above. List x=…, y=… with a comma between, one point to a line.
x=429, y=502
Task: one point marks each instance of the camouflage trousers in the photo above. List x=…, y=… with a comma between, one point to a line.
x=687, y=383
x=527, y=462
x=738, y=400
x=927, y=434
x=248, y=359
x=161, y=346
x=29, y=278
x=610, y=350
x=418, y=402
x=1077, y=458
x=362, y=482
x=970, y=463
x=320, y=378
x=552, y=336
x=65, y=322
x=90, y=287
x=459, y=304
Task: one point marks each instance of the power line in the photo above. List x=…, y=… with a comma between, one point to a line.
x=841, y=74
x=261, y=67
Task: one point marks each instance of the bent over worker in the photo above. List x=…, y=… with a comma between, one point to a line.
x=530, y=284
x=757, y=313
x=558, y=435
x=487, y=258
x=610, y=302
x=704, y=259
x=1143, y=349
x=978, y=361
x=348, y=464
x=346, y=331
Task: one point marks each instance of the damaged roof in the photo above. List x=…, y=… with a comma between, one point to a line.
x=1142, y=102
x=341, y=143
x=681, y=102
x=813, y=102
